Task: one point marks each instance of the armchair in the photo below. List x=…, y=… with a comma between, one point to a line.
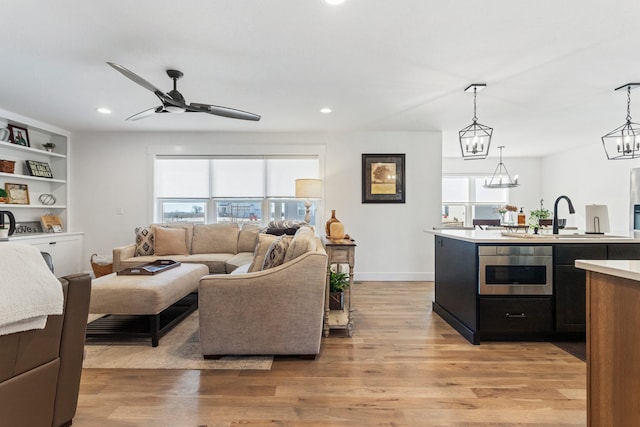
x=40, y=369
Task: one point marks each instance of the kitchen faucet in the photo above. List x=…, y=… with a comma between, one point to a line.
x=555, y=212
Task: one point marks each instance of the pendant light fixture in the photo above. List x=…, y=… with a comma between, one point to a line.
x=624, y=141
x=501, y=177
x=475, y=138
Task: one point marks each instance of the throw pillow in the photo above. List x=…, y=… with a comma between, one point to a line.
x=248, y=237
x=144, y=241
x=276, y=253
x=304, y=241
x=215, y=238
x=170, y=241
x=287, y=226
x=262, y=246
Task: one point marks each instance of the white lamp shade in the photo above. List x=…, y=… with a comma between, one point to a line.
x=308, y=188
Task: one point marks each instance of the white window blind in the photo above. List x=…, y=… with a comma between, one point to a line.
x=282, y=174
x=237, y=178
x=185, y=178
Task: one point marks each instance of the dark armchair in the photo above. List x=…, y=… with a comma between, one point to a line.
x=40, y=369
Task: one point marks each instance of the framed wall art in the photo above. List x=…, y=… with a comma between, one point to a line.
x=17, y=194
x=383, y=178
x=18, y=135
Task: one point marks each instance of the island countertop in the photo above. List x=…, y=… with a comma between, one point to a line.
x=505, y=237
x=627, y=269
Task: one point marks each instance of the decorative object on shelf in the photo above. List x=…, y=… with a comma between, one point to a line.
x=4, y=134
x=327, y=227
x=501, y=177
x=308, y=189
x=17, y=193
x=47, y=199
x=18, y=135
x=337, y=230
x=3, y=196
x=475, y=139
x=522, y=218
x=383, y=178
x=506, y=213
x=7, y=166
x=624, y=141
x=12, y=223
x=338, y=282
x=51, y=223
x=49, y=146
x=39, y=169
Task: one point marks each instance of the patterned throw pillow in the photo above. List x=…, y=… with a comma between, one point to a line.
x=276, y=253
x=262, y=247
x=287, y=226
x=144, y=241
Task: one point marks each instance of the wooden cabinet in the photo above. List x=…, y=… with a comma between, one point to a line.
x=515, y=317
x=66, y=250
x=569, y=285
x=38, y=133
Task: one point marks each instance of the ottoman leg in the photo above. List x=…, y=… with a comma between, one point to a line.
x=154, y=328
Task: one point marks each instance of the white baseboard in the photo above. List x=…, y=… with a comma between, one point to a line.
x=427, y=276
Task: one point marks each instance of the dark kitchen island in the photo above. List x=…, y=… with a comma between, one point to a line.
x=531, y=287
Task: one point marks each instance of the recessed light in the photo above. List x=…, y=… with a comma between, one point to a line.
x=334, y=2
x=325, y=110
x=103, y=110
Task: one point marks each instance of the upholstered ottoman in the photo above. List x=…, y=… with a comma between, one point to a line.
x=124, y=299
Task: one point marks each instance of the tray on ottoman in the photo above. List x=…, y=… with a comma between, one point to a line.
x=149, y=268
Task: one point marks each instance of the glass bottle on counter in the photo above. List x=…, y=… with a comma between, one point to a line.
x=522, y=218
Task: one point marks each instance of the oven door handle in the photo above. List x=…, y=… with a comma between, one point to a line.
x=516, y=316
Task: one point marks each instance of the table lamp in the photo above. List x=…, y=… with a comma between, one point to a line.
x=308, y=189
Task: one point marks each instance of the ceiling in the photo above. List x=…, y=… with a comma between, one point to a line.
x=550, y=66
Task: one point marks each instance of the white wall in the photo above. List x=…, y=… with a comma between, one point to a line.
x=587, y=177
x=112, y=189
x=527, y=195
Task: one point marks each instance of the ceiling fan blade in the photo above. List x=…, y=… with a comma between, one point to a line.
x=223, y=111
x=146, y=113
x=139, y=80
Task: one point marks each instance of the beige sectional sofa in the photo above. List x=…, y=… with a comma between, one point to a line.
x=221, y=247
x=277, y=310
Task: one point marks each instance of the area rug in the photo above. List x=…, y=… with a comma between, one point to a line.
x=179, y=349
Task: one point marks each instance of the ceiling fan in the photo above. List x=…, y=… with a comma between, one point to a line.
x=173, y=101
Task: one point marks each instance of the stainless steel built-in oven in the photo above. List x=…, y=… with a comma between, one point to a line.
x=515, y=270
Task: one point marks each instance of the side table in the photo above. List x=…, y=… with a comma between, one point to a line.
x=339, y=252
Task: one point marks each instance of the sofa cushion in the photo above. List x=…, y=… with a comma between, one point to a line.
x=184, y=225
x=303, y=241
x=248, y=237
x=262, y=246
x=215, y=238
x=170, y=241
x=239, y=259
x=217, y=263
x=276, y=253
x=144, y=241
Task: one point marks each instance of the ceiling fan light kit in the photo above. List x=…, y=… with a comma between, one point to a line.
x=174, y=102
x=475, y=139
x=624, y=141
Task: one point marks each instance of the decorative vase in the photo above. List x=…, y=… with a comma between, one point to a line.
x=337, y=230
x=331, y=221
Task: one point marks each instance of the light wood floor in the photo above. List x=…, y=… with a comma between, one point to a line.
x=404, y=366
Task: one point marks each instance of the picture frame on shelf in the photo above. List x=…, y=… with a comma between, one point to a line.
x=383, y=178
x=39, y=169
x=19, y=135
x=17, y=194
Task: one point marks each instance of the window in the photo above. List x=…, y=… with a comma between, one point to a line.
x=464, y=198
x=231, y=188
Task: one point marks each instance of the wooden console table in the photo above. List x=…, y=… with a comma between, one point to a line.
x=339, y=252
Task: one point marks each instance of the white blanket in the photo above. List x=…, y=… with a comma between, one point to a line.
x=29, y=291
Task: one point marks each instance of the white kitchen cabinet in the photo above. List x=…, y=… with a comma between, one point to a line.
x=66, y=250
